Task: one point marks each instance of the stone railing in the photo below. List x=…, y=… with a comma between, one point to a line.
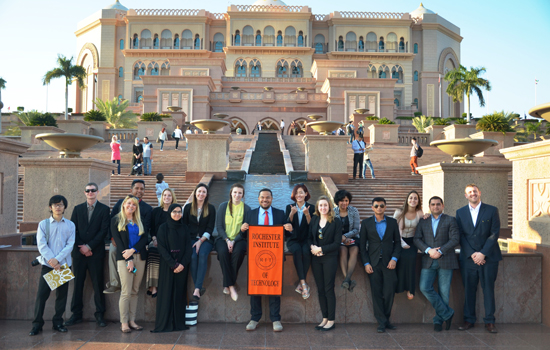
x=405, y=138
x=373, y=15
x=268, y=8
x=124, y=135
x=271, y=80
x=260, y=96
x=167, y=12
x=321, y=17
x=217, y=15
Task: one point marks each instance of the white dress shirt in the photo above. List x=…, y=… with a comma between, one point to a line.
x=474, y=212
x=60, y=243
x=261, y=216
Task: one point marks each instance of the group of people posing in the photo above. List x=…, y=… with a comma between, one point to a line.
x=164, y=243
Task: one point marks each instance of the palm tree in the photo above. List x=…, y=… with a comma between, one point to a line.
x=116, y=113
x=534, y=129
x=2, y=87
x=422, y=122
x=67, y=70
x=462, y=81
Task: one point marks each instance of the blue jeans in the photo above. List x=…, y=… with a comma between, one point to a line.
x=351, y=137
x=199, y=263
x=440, y=301
x=367, y=163
x=161, y=144
x=146, y=166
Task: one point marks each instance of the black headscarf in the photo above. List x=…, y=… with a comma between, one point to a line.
x=173, y=224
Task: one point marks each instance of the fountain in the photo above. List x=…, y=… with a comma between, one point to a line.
x=209, y=126
x=69, y=145
x=300, y=88
x=220, y=115
x=315, y=116
x=174, y=108
x=541, y=111
x=268, y=88
x=463, y=150
x=325, y=127
x=361, y=110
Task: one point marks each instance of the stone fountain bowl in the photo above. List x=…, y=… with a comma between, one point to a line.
x=463, y=150
x=69, y=145
x=220, y=115
x=361, y=110
x=314, y=116
x=174, y=108
x=541, y=111
x=325, y=127
x=209, y=126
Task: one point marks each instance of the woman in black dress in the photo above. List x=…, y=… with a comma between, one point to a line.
x=324, y=239
x=174, y=246
x=137, y=156
x=299, y=215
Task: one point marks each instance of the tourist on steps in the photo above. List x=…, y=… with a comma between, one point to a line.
x=177, y=135
x=160, y=186
x=137, y=158
x=162, y=137
x=414, y=158
x=115, y=152
x=367, y=162
x=358, y=147
x=147, y=156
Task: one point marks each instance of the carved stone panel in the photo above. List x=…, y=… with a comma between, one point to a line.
x=539, y=198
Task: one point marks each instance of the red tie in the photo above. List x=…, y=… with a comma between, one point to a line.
x=266, y=220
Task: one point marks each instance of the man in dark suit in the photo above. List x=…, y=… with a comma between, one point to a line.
x=381, y=234
x=437, y=236
x=265, y=215
x=479, y=227
x=92, y=220
x=145, y=210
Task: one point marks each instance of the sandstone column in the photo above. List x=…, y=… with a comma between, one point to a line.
x=207, y=153
x=326, y=155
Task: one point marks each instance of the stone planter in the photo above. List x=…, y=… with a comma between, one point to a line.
x=170, y=126
x=100, y=129
x=384, y=133
x=28, y=134
x=504, y=141
x=74, y=126
x=150, y=130
x=458, y=131
x=436, y=132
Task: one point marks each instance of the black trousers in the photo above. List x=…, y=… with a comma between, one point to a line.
x=472, y=275
x=42, y=296
x=256, y=308
x=383, y=282
x=230, y=262
x=324, y=270
x=302, y=257
x=117, y=162
x=357, y=161
x=94, y=265
x=177, y=141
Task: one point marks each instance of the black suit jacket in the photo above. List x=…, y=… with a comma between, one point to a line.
x=371, y=244
x=483, y=237
x=145, y=212
x=446, y=237
x=251, y=218
x=332, y=235
x=300, y=231
x=122, y=241
x=91, y=232
x=206, y=224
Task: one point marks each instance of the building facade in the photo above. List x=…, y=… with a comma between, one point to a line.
x=269, y=62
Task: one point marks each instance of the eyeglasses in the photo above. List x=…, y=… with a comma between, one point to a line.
x=177, y=212
x=58, y=205
x=381, y=206
x=92, y=190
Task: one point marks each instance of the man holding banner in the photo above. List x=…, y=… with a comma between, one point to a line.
x=265, y=258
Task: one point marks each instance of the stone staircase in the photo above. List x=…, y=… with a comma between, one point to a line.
x=297, y=151
x=267, y=157
x=237, y=150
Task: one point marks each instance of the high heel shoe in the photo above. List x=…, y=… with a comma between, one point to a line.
x=324, y=329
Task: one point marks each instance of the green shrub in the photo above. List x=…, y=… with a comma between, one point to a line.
x=441, y=121
x=417, y=114
x=94, y=116
x=21, y=109
x=165, y=115
x=151, y=117
x=45, y=119
x=69, y=110
x=385, y=121
x=405, y=118
x=494, y=122
x=461, y=121
x=372, y=117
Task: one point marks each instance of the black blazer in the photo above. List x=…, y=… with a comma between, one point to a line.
x=122, y=241
x=251, y=218
x=483, y=237
x=206, y=224
x=92, y=233
x=446, y=237
x=300, y=231
x=332, y=235
x=145, y=211
x=390, y=243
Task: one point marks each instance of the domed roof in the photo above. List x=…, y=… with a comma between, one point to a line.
x=116, y=6
x=420, y=11
x=269, y=2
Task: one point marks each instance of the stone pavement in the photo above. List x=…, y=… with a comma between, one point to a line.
x=14, y=335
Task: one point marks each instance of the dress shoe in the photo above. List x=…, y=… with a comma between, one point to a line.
x=35, y=330
x=60, y=328
x=100, y=322
x=466, y=326
x=72, y=321
x=448, y=322
x=345, y=284
x=491, y=328
x=319, y=327
x=438, y=327
x=277, y=326
x=391, y=327
x=325, y=329
x=251, y=326
x=352, y=285
x=381, y=329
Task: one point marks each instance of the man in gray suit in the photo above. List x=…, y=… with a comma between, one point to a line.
x=437, y=236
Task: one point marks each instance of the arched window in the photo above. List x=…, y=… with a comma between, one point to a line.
x=383, y=72
x=415, y=48
x=177, y=42
x=381, y=45
x=270, y=124
x=165, y=68
x=218, y=42
x=258, y=38
x=139, y=70
x=237, y=41
x=279, y=38
x=340, y=43
x=416, y=102
x=187, y=40
x=282, y=69
x=300, y=39
x=290, y=36
x=269, y=36
x=296, y=69
x=396, y=102
x=153, y=69
x=319, y=43
x=166, y=39
x=197, y=42
x=361, y=44
x=135, y=42
x=240, y=68
x=255, y=69
x=146, y=41
x=402, y=45
x=415, y=75
x=371, y=42
x=120, y=72
x=397, y=73
x=351, y=42
x=156, y=41
x=391, y=45
x=371, y=72
x=248, y=36
x=121, y=44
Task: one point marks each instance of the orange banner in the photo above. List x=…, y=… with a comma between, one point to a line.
x=265, y=260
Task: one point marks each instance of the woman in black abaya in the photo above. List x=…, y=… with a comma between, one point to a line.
x=174, y=246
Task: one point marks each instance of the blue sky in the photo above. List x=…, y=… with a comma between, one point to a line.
x=509, y=38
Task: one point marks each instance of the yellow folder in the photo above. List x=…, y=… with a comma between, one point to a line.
x=56, y=278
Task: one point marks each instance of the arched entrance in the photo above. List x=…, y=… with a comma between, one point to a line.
x=236, y=123
x=270, y=124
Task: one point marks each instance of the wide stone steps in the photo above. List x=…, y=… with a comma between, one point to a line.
x=237, y=150
x=297, y=151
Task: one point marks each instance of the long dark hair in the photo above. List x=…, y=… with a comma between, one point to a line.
x=230, y=204
x=194, y=206
x=405, y=207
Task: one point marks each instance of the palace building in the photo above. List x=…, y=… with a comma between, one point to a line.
x=269, y=61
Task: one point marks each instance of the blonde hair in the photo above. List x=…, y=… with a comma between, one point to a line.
x=174, y=199
x=123, y=221
x=471, y=185
x=330, y=214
